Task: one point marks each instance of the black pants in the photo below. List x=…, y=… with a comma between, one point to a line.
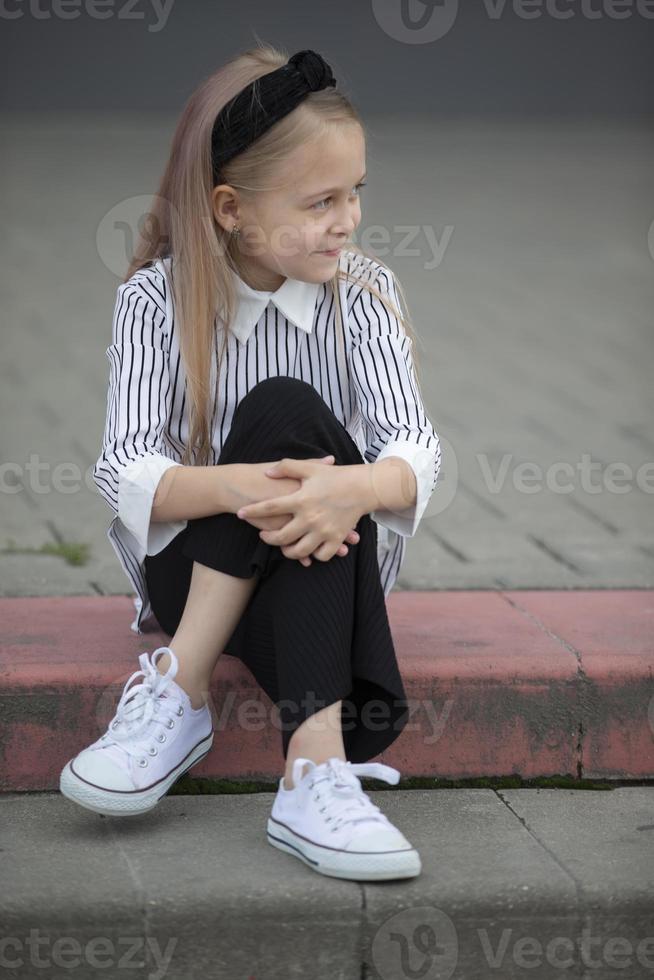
x=309, y=635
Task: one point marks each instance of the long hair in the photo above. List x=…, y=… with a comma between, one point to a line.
x=182, y=224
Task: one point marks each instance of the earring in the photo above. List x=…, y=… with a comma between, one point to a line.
x=235, y=232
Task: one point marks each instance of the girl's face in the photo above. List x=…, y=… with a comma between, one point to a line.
x=286, y=232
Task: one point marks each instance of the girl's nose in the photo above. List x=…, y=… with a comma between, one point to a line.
x=345, y=227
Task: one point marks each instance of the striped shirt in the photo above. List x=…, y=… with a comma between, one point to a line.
x=368, y=382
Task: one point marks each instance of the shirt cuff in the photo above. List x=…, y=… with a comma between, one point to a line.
x=137, y=484
x=421, y=460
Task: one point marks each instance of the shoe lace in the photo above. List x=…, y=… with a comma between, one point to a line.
x=344, y=800
x=142, y=708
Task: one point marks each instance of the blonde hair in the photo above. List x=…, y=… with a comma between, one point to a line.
x=182, y=223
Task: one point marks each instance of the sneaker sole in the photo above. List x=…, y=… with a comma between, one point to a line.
x=125, y=803
x=359, y=865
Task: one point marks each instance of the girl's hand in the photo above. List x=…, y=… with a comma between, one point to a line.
x=249, y=488
x=322, y=509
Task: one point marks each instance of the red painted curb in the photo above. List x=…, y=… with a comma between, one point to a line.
x=523, y=682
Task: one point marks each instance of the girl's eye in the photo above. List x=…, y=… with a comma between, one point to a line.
x=357, y=188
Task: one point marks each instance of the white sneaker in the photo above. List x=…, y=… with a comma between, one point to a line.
x=154, y=737
x=328, y=822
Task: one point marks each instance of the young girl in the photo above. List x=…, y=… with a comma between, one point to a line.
x=263, y=418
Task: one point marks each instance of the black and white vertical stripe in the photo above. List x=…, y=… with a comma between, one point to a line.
x=372, y=391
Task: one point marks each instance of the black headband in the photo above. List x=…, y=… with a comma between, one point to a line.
x=264, y=102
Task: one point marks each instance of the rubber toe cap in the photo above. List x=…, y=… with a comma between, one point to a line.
x=99, y=769
x=384, y=839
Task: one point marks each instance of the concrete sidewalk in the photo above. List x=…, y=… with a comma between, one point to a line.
x=523, y=614
x=534, y=326
x=515, y=884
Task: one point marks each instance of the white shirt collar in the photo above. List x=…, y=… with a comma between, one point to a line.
x=295, y=299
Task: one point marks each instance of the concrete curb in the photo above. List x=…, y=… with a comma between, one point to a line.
x=527, y=682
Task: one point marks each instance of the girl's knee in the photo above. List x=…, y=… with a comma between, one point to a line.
x=281, y=386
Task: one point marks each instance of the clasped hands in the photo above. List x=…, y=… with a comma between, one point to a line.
x=323, y=515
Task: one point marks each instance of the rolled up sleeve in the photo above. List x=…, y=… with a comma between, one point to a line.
x=394, y=419
x=132, y=463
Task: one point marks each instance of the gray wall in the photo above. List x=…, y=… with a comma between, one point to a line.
x=496, y=58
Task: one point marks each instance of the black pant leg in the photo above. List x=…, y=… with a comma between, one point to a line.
x=310, y=636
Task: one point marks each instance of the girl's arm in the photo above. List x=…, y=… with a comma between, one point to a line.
x=397, y=430
x=186, y=492
x=389, y=484
x=132, y=462
x=197, y=491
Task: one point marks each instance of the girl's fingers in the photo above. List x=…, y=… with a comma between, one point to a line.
x=342, y=552
x=352, y=536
